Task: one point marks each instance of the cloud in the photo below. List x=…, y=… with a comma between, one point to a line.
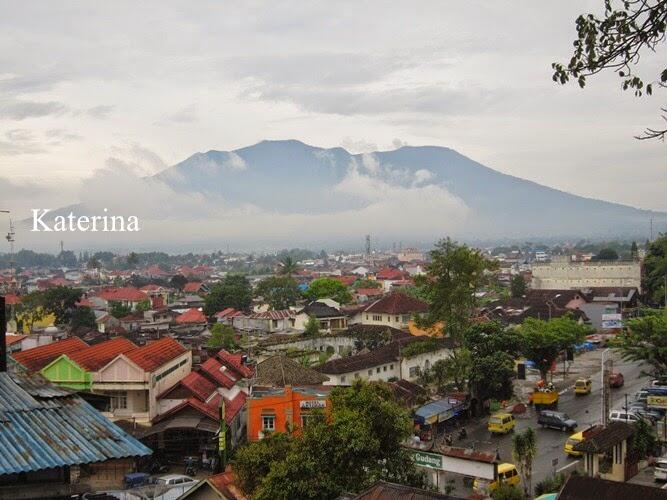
x=188, y=114
x=398, y=143
x=15, y=109
x=424, y=99
x=100, y=112
x=20, y=142
x=234, y=162
x=135, y=158
x=358, y=145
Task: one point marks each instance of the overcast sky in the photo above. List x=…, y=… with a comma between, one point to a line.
x=90, y=85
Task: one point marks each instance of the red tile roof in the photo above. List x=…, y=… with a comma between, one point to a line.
x=192, y=286
x=128, y=293
x=38, y=357
x=282, y=314
x=96, y=356
x=12, y=339
x=194, y=403
x=151, y=287
x=370, y=292
x=345, y=280
x=192, y=315
x=225, y=483
x=232, y=406
x=397, y=303
x=234, y=361
x=84, y=303
x=198, y=385
x=155, y=354
x=211, y=368
x=11, y=299
x=389, y=273
x=228, y=312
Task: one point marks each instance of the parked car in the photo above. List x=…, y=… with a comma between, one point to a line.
x=556, y=420
x=135, y=479
x=507, y=474
x=616, y=380
x=571, y=442
x=175, y=480
x=645, y=413
x=660, y=471
x=624, y=416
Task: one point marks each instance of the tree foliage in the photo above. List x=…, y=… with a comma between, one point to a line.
x=233, y=291
x=454, y=275
x=83, y=316
x=31, y=309
x=222, y=336
x=178, y=281
x=644, y=439
x=287, y=266
x=61, y=302
x=493, y=351
x=279, y=292
x=524, y=450
x=327, y=288
x=119, y=310
x=358, y=444
x=606, y=254
x=312, y=327
x=517, y=286
x=507, y=492
x=655, y=270
x=645, y=339
x=615, y=42
x=542, y=341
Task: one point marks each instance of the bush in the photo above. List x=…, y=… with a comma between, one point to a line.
x=550, y=484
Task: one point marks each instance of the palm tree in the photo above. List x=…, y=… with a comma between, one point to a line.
x=524, y=449
x=288, y=266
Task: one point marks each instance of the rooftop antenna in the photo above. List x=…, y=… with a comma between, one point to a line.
x=10, y=239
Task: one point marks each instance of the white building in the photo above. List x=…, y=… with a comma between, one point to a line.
x=563, y=274
x=398, y=360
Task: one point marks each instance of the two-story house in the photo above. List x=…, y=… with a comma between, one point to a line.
x=395, y=309
x=135, y=379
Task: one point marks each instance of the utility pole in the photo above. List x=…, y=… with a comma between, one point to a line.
x=606, y=393
x=10, y=240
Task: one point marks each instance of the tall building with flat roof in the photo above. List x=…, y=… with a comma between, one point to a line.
x=563, y=273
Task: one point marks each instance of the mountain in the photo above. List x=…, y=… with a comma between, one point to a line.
x=293, y=177
x=278, y=194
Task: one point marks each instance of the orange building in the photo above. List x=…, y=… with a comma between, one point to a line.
x=280, y=409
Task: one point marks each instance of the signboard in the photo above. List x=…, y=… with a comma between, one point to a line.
x=611, y=321
x=468, y=466
x=430, y=460
x=313, y=403
x=657, y=401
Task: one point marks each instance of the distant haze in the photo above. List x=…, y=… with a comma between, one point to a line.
x=278, y=194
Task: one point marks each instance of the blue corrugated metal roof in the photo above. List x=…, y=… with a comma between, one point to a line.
x=442, y=409
x=54, y=428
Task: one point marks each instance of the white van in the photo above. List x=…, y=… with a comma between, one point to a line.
x=660, y=471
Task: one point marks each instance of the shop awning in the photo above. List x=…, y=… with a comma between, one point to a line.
x=439, y=411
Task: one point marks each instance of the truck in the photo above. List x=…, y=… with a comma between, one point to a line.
x=542, y=398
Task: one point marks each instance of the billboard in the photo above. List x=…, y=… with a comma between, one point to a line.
x=612, y=321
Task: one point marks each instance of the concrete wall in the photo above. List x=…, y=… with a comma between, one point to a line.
x=569, y=275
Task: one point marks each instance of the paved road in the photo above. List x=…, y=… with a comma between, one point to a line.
x=584, y=409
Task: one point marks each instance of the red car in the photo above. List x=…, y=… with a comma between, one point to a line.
x=616, y=379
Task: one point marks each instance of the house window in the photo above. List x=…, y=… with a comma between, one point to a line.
x=269, y=422
x=384, y=368
x=370, y=372
x=397, y=320
x=309, y=418
x=391, y=367
x=275, y=323
x=118, y=400
x=377, y=317
x=356, y=375
x=414, y=371
x=367, y=316
x=342, y=378
x=406, y=318
x=378, y=369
